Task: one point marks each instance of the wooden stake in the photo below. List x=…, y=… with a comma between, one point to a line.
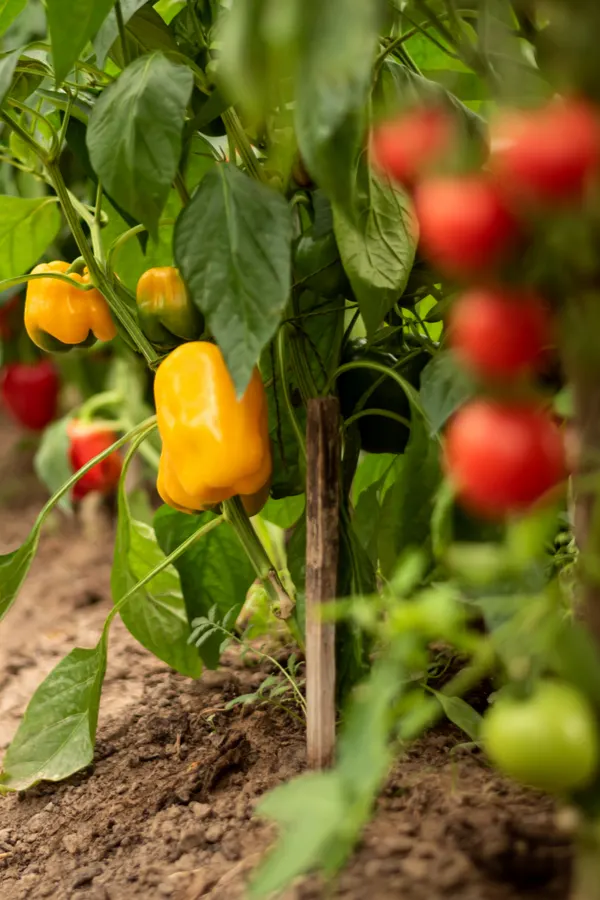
x=322, y=550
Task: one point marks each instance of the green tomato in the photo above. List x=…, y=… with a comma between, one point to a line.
x=548, y=741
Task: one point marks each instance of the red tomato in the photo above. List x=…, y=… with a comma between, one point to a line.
x=465, y=225
x=30, y=392
x=406, y=146
x=547, y=155
x=503, y=457
x=499, y=333
x=87, y=440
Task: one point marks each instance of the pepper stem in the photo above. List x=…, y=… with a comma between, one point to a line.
x=97, y=275
x=237, y=517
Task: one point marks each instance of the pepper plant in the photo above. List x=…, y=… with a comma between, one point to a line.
x=394, y=203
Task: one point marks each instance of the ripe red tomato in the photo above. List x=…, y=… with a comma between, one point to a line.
x=466, y=228
x=502, y=458
x=500, y=333
x=547, y=155
x=548, y=741
x=404, y=147
x=87, y=440
x=30, y=392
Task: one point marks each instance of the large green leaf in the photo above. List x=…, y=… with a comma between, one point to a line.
x=155, y=615
x=233, y=247
x=9, y=10
x=377, y=244
x=408, y=504
x=71, y=26
x=135, y=135
x=444, y=387
x=27, y=228
x=338, y=43
x=57, y=734
x=214, y=572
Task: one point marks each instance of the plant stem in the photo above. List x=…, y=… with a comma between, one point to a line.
x=97, y=275
x=24, y=135
x=286, y=393
x=122, y=34
x=237, y=517
x=95, y=227
x=235, y=129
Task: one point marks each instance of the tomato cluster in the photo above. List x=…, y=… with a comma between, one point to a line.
x=502, y=455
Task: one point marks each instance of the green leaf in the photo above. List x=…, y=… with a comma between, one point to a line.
x=57, y=734
x=8, y=65
x=109, y=31
x=233, y=247
x=214, y=572
x=14, y=567
x=377, y=244
x=155, y=615
x=284, y=513
x=408, y=504
x=333, y=84
x=27, y=228
x=444, y=387
x=373, y=468
x=51, y=461
x=9, y=10
x=460, y=714
x=323, y=813
x=135, y=135
x=71, y=26
x=311, y=808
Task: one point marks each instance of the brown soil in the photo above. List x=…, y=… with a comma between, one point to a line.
x=167, y=810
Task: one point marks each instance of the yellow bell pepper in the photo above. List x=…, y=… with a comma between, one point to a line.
x=166, y=314
x=59, y=317
x=214, y=445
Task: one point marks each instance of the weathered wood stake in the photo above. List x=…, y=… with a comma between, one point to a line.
x=322, y=550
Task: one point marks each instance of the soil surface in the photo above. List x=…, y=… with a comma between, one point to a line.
x=167, y=809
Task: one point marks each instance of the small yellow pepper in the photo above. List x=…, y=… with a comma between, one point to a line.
x=214, y=445
x=59, y=317
x=166, y=313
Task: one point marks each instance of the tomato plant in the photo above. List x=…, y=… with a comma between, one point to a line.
x=274, y=252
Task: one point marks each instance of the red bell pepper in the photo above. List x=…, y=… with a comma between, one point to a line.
x=87, y=440
x=30, y=392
